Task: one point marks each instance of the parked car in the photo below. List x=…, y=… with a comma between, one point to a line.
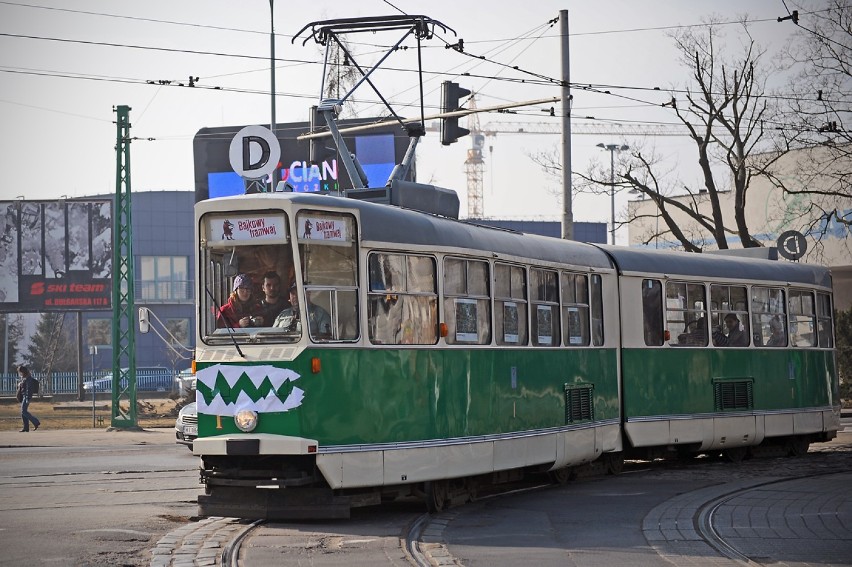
x=101, y=384
x=186, y=426
x=148, y=379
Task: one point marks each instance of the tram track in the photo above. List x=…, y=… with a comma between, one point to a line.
x=706, y=515
x=231, y=552
x=422, y=541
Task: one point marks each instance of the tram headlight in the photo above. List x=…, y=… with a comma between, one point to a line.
x=246, y=420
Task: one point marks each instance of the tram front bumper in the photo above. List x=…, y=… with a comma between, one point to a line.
x=254, y=444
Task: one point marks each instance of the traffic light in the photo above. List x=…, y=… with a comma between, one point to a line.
x=320, y=149
x=450, y=129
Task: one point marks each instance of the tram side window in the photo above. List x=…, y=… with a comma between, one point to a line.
x=686, y=315
x=652, y=312
x=510, y=305
x=467, y=301
x=802, y=318
x=544, y=296
x=402, y=302
x=729, y=315
x=824, y=326
x=575, y=309
x=329, y=257
x=597, y=311
x=768, y=316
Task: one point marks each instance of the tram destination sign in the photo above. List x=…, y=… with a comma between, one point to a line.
x=55, y=255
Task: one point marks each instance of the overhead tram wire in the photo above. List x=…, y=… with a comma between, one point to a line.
x=265, y=33
x=542, y=79
x=778, y=125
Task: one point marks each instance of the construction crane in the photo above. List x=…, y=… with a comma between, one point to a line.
x=583, y=129
x=474, y=165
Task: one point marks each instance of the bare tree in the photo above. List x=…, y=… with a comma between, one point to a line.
x=723, y=108
x=741, y=131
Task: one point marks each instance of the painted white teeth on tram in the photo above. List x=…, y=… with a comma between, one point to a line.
x=257, y=374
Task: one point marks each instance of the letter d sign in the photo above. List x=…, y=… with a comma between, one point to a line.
x=254, y=152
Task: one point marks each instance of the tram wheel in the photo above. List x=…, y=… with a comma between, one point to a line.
x=563, y=475
x=735, y=455
x=614, y=463
x=798, y=446
x=437, y=495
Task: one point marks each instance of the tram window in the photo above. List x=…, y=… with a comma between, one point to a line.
x=544, y=298
x=686, y=315
x=768, y=317
x=575, y=309
x=402, y=304
x=652, y=312
x=329, y=257
x=467, y=302
x=729, y=315
x=597, y=311
x=824, y=326
x=802, y=319
x=249, y=244
x=510, y=305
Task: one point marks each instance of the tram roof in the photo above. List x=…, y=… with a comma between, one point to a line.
x=677, y=263
x=385, y=223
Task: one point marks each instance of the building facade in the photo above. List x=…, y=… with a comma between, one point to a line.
x=164, y=274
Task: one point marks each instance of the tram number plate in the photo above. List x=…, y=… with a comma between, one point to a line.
x=190, y=430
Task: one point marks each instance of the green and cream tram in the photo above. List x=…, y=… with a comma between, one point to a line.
x=436, y=354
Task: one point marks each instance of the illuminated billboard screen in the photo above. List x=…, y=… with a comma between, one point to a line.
x=378, y=151
x=55, y=255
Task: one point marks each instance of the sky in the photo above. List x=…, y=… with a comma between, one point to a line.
x=65, y=64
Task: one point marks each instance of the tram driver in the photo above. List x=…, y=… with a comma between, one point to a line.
x=273, y=302
x=318, y=318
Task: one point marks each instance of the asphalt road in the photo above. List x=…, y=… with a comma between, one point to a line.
x=96, y=498
x=101, y=499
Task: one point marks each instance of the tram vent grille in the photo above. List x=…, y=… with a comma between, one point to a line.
x=579, y=404
x=733, y=394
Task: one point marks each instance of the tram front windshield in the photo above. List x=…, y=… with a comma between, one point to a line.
x=253, y=285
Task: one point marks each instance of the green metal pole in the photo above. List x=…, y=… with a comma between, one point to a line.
x=123, y=332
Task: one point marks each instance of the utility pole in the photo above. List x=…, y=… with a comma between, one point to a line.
x=274, y=175
x=123, y=333
x=567, y=205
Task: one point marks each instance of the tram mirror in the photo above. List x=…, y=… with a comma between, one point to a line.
x=232, y=263
x=144, y=322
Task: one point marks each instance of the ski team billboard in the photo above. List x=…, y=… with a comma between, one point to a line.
x=55, y=255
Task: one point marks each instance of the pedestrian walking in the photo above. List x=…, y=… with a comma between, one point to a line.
x=27, y=388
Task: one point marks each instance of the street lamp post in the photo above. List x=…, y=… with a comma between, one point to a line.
x=274, y=174
x=612, y=148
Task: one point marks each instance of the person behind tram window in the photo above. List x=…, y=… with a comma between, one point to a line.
x=241, y=310
x=696, y=333
x=735, y=336
x=273, y=302
x=290, y=319
x=778, y=337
